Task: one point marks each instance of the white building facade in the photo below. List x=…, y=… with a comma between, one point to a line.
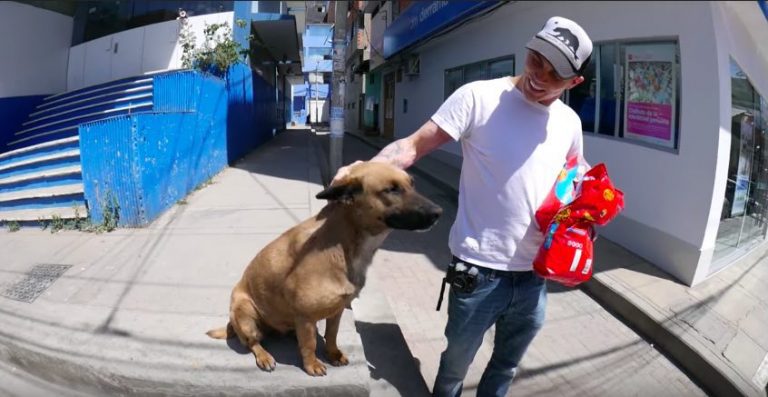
x=674, y=105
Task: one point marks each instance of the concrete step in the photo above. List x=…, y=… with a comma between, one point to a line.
x=89, y=106
x=121, y=93
x=44, y=192
x=38, y=147
x=47, y=213
x=68, y=154
x=17, y=383
x=114, y=361
x=101, y=88
x=83, y=117
x=29, y=177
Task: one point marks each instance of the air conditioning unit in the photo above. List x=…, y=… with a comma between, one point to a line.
x=413, y=66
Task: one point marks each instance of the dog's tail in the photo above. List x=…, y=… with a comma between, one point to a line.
x=222, y=333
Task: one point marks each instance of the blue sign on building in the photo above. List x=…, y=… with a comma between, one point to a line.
x=424, y=18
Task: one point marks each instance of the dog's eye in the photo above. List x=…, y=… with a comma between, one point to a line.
x=394, y=189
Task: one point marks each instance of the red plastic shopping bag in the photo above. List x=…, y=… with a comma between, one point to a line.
x=566, y=254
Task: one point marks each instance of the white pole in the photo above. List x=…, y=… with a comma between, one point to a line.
x=338, y=84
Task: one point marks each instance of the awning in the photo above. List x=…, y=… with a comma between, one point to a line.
x=275, y=39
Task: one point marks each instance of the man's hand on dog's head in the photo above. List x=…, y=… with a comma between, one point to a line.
x=344, y=171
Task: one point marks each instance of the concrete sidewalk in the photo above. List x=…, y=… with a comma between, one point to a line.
x=717, y=331
x=125, y=313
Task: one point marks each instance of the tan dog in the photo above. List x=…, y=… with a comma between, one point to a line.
x=314, y=270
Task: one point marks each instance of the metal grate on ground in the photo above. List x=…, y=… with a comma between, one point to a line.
x=37, y=280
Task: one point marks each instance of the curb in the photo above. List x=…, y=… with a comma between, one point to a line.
x=701, y=371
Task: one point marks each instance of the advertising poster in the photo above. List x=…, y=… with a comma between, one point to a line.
x=650, y=86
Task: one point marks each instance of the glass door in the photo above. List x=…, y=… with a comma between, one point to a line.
x=745, y=207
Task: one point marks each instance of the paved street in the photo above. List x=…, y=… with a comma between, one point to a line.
x=581, y=351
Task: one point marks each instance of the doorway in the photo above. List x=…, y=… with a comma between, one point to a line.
x=744, y=215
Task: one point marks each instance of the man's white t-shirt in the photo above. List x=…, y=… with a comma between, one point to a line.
x=513, y=151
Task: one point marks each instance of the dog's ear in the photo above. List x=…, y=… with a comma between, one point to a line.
x=343, y=191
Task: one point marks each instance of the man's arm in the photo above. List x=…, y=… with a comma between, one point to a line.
x=402, y=153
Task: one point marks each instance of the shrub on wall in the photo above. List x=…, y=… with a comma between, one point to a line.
x=218, y=52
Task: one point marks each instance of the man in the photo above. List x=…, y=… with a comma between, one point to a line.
x=515, y=136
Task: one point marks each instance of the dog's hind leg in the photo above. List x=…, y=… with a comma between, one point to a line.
x=332, y=351
x=306, y=332
x=244, y=320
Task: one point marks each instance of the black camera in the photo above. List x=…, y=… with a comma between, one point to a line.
x=461, y=278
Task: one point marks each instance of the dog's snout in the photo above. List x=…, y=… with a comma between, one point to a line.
x=419, y=213
x=431, y=211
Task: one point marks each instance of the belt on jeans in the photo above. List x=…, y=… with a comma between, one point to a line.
x=493, y=272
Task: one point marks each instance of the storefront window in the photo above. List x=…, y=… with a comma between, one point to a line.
x=610, y=92
x=454, y=78
x=583, y=98
x=631, y=91
x=94, y=19
x=484, y=70
x=743, y=216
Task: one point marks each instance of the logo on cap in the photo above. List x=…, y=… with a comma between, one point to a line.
x=568, y=38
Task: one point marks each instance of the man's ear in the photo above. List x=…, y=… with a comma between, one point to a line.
x=576, y=81
x=344, y=191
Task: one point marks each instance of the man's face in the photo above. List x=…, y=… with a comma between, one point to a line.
x=540, y=83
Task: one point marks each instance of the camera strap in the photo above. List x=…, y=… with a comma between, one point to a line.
x=442, y=292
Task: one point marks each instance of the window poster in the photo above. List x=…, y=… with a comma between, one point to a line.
x=651, y=87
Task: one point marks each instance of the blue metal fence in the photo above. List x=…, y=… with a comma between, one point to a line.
x=140, y=165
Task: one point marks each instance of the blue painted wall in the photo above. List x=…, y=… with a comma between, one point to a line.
x=146, y=162
x=13, y=112
x=251, y=116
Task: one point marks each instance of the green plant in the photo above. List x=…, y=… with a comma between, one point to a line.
x=110, y=217
x=218, y=51
x=110, y=212
x=13, y=226
x=56, y=223
x=77, y=222
x=205, y=184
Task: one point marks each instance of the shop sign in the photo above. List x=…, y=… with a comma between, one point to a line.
x=423, y=18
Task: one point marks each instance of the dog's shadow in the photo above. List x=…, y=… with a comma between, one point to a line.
x=284, y=348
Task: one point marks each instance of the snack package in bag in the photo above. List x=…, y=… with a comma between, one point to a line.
x=562, y=192
x=597, y=200
x=566, y=254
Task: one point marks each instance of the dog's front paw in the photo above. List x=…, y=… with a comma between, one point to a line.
x=315, y=368
x=266, y=362
x=336, y=357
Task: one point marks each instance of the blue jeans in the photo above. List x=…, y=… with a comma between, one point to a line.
x=516, y=303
